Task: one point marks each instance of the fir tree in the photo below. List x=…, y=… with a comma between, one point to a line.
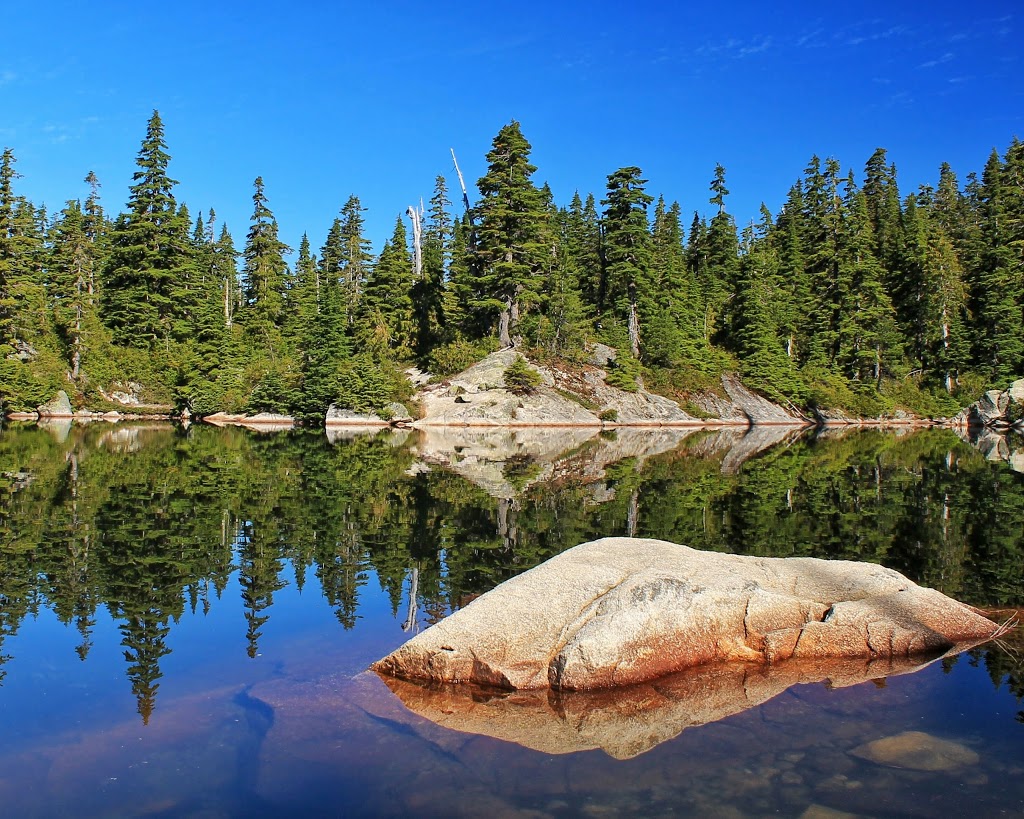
x=428, y=292
x=627, y=254
x=7, y=252
x=385, y=325
x=265, y=271
x=510, y=223
x=997, y=283
x=356, y=261
x=149, y=252
x=721, y=258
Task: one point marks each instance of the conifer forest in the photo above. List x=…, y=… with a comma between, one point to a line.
x=855, y=295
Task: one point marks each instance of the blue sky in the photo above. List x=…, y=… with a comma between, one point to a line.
x=327, y=99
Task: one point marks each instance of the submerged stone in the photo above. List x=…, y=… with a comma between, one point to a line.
x=620, y=611
x=917, y=751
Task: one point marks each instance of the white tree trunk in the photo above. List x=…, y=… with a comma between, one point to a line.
x=634, y=330
x=417, y=246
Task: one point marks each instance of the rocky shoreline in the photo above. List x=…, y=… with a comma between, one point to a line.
x=580, y=397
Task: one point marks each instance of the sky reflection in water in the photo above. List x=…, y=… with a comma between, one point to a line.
x=136, y=549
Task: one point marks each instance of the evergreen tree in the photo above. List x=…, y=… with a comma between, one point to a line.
x=356, y=261
x=147, y=251
x=563, y=327
x=868, y=338
x=674, y=332
x=70, y=270
x=997, y=283
x=265, y=271
x=510, y=222
x=627, y=255
x=428, y=293
x=721, y=258
x=795, y=292
x=760, y=338
x=7, y=253
x=940, y=337
x=385, y=326
x=827, y=289
x=224, y=269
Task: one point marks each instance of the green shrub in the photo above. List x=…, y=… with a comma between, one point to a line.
x=520, y=377
x=624, y=373
x=452, y=358
x=611, y=415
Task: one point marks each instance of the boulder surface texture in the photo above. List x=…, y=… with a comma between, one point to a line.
x=619, y=611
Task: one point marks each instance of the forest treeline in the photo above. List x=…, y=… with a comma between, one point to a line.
x=852, y=296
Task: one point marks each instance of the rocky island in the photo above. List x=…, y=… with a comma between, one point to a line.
x=622, y=611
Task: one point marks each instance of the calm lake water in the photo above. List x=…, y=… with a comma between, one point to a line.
x=186, y=619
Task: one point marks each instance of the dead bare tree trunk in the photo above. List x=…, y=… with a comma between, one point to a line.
x=414, y=590
x=462, y=184
x=504, y=319
x=633, y=513
x=417, y=235
x=634, y=330
x=227, y=303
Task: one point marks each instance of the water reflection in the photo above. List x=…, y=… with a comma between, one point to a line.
x=628, y=721
x=151, y=522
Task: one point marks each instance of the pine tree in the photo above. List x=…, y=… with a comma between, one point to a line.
x=627, y=254
x=265, y=271
x=997, y=283
x=428, y=293
x=149, y=250
x=795, y=290
x=69, y=272
x=582, y=239
x=868, y=338
x=721, y=258
x=356, y=260
x=940, y=338
x=673, y=334
x=562, y=328
x=224, y=268
x=758, y=335
x=385, y=311
x=827, y=289
x=7, y=252
x=510, y=221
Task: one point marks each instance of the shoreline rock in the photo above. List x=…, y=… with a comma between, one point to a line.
x=995, y=409
x=621, y=611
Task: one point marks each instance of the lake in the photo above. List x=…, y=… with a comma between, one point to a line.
x=187, y=616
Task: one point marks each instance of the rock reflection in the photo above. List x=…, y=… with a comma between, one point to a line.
x=629, y=721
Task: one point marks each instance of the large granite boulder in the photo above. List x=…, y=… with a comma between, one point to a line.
x=996, y=408
x=478, y=397
x=57, y=407
x=741, y=405
x=620, y=611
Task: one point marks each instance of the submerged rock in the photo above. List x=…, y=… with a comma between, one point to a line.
x=620, y=611
x=917, y=751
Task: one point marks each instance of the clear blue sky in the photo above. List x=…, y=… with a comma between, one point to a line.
x=325, y=99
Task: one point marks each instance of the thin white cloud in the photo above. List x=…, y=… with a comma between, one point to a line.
x=945, y=58
x=7, y=77
x=734, y=48
x=875, y=36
